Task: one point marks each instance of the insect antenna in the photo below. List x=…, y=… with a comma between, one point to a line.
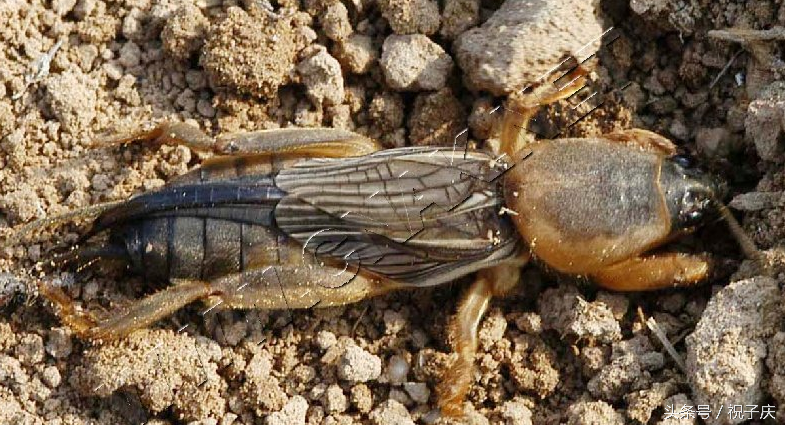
x=745, y=242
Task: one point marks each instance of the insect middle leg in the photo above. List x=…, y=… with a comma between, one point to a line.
x=653, y=272
x=495, y=281
x=303, y=142
x=521, y=108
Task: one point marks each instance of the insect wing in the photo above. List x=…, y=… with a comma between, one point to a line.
x=248, y=199
x=416, y=215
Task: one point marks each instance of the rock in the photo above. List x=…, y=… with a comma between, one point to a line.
x=618, y=304
x=641, y=404
x=130, y=55
x=62, y=7
x=458, y=16
x=325, y=339
x=562, y=309
x=411, y=16
x=593, y=412
x=677, y=404
x=183, y=377
x=358, y=365
x=667, y=14
x=391, y=412
x=414, y=63
x=523, y=40
x=776, y=364
x=418, y=391
x=362, y=398
x=726, y=352
x=30, y=349
x=386, y=112
x=397, y=369
x=51, y=377
x=253, y=54
x=321, y=74
x=765, y=121
x=533, y=366
x=437, y=119
x=58, y=343
x=481, y=120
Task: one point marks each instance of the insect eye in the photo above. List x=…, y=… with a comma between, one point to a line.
x=694, y=206
x=685, y=161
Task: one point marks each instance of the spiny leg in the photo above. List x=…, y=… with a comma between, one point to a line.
x=140, y=314
x=314, y=142
x=659, y=271
x=495, y=281
x=521, y=108
x=644, y=139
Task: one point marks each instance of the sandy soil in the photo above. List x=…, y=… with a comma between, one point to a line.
x=403, y=72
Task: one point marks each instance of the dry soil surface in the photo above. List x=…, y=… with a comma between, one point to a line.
x=706, y=74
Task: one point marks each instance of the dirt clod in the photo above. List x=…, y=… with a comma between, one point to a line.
x=725, y=354
x=183, y=34
x=596, y=412
x=358, y=365
x=411, y=16
x=514, y=47
x=414, y=63
x=252, y=54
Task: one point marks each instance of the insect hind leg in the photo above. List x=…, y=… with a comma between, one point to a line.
x=140, y=314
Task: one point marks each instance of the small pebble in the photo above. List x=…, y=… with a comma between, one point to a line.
x=325, y=339
x=397, y=369
x=391, y=412
x=358, y=365
x=418, y=391
x=130, y=55
x=293, y=413
x=321, y=74
x=30, y=349
x=334, y=399
x=51, y=377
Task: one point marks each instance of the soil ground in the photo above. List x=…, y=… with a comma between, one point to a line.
x=556, y=351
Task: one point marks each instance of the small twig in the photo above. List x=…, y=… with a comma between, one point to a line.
x=357, y=322
x=655, y=328
x=725, y=68
x=739, y=35
x=40, y=69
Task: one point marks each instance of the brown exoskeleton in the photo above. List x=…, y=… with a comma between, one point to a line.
x=297, y=218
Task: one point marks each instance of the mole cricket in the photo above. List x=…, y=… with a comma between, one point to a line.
x=300, y=218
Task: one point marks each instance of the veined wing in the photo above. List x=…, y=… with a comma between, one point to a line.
x=416, y=215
